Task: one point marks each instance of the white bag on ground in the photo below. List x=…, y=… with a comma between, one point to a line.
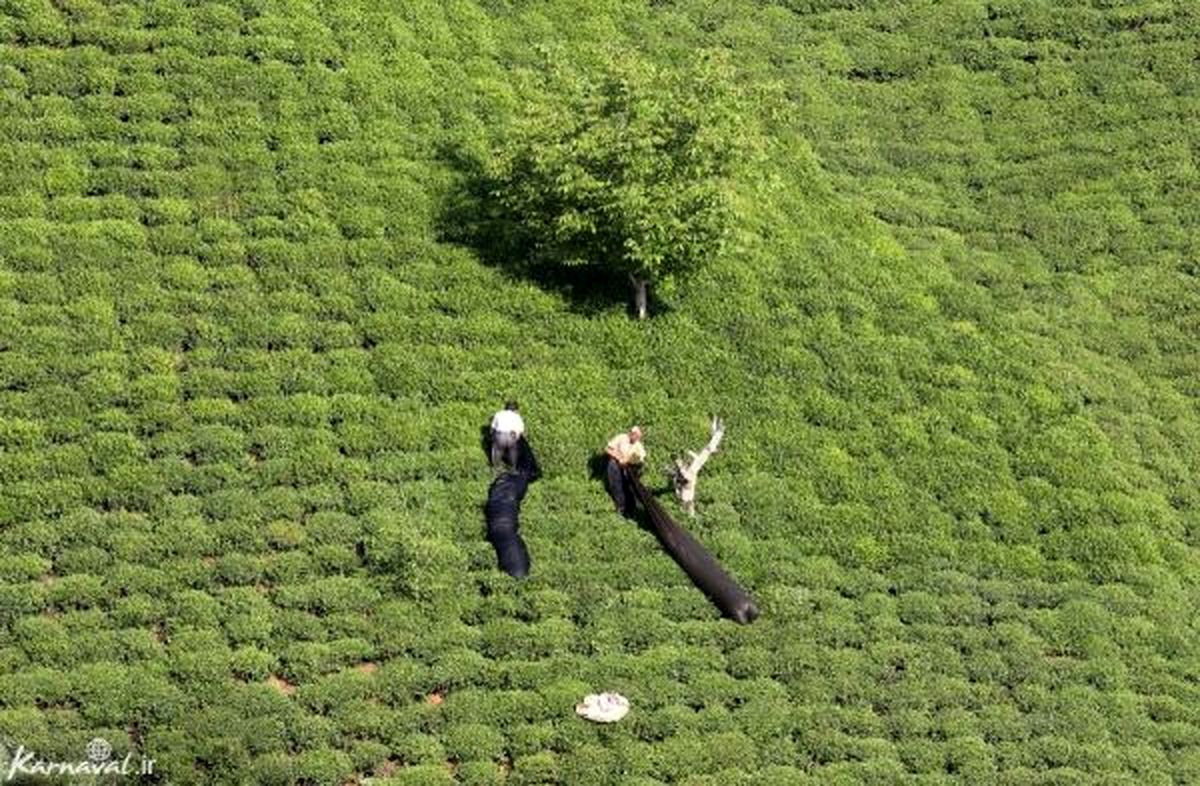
x=603, y=707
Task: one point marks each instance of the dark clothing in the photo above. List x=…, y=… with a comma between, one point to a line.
x=616, y=480
x=503, y=509
x=506, y=448
x=524, y=461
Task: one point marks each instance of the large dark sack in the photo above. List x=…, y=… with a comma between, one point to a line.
x=503, y=509
x=703, y=569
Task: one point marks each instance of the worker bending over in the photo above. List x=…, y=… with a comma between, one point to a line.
x=626, y=453
x=507, y=428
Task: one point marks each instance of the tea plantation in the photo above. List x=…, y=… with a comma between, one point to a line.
x=245, y=360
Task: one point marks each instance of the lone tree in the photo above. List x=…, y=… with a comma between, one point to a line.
x=626, y=169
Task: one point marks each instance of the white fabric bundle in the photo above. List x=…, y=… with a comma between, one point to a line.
x=603, y=707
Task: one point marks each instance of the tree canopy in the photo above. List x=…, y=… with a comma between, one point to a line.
x=627, y=167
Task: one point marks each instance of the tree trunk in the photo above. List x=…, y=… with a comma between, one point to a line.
x=640, y=301
x=684, y=476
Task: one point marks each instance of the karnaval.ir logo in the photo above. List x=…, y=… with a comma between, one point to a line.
x=98, y=750
x=17, y=760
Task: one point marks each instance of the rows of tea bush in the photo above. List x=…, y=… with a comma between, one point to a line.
x=243, y=379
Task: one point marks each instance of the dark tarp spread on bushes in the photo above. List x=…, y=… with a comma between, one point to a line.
x=695, y=560
x=503, y=508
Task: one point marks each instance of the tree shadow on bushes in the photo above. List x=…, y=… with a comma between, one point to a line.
x=474, y=218
x=485, y=441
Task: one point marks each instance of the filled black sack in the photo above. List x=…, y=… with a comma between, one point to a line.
x=700, y=565
x=503, y=508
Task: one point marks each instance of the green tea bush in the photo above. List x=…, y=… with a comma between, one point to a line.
x=969, y=757
x=421, y=775
x=483, y=773
x=193, y=609
x=252, y=664
x=305, y=661
x=533, y=768
x=457, y=667
x=78, y=590
x=323, y=766
x=272, y=769
x=39, y=685
x=103, y=692
x=329, y=595
x=474, y=741
x=45, y=641
x=420, y=749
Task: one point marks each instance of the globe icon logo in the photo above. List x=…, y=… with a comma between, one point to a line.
x=98, y=750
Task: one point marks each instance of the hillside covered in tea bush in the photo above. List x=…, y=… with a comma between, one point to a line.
x=246, y=357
